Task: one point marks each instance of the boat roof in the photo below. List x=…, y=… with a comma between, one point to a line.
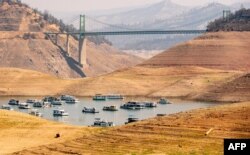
x=23, y=104
x=59, y=110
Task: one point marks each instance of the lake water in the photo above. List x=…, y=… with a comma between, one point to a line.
x=76, y=117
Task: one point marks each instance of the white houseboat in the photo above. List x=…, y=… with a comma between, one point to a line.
x=150, y=104
x=7, y=107
x=13, y=102
x=61, y=112
x=57, y=102
x=69, y=99
x=90, y=110
x=110, y=108
x=24, y=106
x=133, y=105
x=115, y=97
x=164, y=101
x=31, y=101
x=99, y=97
x=102, y=123
x=38, y=104
x=35, y=112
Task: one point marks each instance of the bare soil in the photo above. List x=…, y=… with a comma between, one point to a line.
x=220, y=50
x=182, y=133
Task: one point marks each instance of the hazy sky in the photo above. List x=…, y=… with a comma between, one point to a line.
x=90, y=5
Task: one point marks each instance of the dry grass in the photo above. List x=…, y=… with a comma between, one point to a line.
x=235, y=90
x=19, y=131
x=154, y=81
x=182, y=133
x=183, y=82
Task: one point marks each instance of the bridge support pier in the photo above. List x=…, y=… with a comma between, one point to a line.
x=83, y=51
x=56, y=39
x=67, y=45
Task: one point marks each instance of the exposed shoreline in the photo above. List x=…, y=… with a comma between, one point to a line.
x=185, y=129
x=134, y=96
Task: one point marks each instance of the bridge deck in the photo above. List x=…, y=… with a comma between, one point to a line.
x=133, y=32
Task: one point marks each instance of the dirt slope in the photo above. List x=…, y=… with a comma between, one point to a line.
x=23, y=45
x=20, y=131
x=21, y=82
x=182, y=133
x=101, y=58
x=222, y=50
x=154, y=82
x=236, y=90
x=183, y=82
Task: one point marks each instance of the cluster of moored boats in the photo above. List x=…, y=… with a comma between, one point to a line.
x=134, y=105
x=50, y=101
x=131, y=105
x=46, y=102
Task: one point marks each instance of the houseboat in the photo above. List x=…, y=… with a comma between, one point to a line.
x=164, y=101
x=31, y=101
x=90, y=110
x=57, y=102
x=7, y=107
x=102, y=123
x=150, y=104
x=99, y=97
x=38, y=104
x=132, y=120
x=110, y=108
x=69, y=99
x=49, y=99
x=35, y=112
x=65, y=97
x=133, y=105
x=115, y=97
x=61, y=112
x=24, y=106
x=13, y=102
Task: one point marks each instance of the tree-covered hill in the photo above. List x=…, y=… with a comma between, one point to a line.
x=238, y=21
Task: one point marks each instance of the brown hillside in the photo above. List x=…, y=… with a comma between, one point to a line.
x=185, y=82
x=19, y=131
x=101, y=58
x=222, y=50
x=235, y=90
x=23, y=45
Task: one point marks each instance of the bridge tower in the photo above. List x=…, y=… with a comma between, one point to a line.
x=226, y=14
x=82, y=43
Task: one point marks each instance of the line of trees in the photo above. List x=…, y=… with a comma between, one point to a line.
x=238, y=21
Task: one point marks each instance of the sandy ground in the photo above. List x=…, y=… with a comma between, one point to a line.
x=19, y=131
x=182, y=133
